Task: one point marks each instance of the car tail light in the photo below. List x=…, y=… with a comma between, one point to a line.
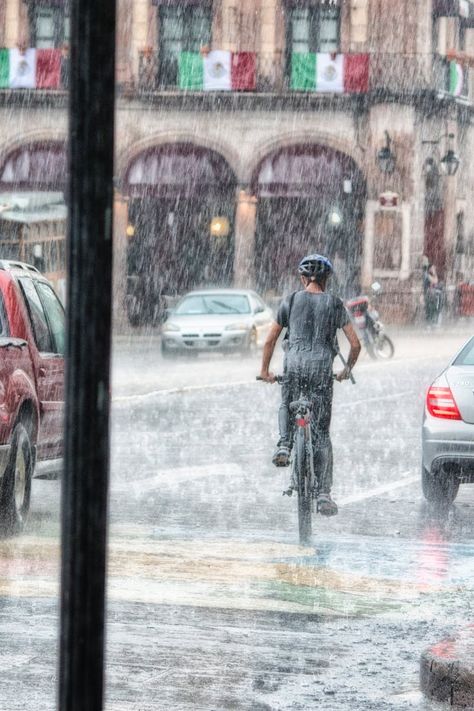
x=441, y=403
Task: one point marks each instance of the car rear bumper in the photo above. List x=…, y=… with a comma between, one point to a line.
x=448, y=444
x=225, y=341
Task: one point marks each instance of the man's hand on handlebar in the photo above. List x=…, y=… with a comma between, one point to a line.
x=344, y=374
x=268, y=377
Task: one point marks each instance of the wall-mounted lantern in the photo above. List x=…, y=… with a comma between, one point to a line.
x=385, y=156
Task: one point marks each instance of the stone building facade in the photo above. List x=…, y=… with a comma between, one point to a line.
x=284, y=170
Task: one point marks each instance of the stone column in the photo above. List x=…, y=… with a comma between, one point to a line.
x=120, y=321
x=244, y=241
x=140, y=30
x=13, y=30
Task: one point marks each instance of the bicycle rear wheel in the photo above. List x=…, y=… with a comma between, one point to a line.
x=302, y=476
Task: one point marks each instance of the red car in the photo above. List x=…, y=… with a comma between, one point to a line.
x=32, y=334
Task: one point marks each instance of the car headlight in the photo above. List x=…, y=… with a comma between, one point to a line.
x=170, y=327
x=238, y=326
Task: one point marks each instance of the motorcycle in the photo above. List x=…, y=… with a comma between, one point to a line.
x=371, y=329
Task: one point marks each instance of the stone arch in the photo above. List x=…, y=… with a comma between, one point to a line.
x=157, y=140
x=309, y=138
x=37, y=162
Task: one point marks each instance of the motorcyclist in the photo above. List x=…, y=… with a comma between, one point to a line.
x=312, y=317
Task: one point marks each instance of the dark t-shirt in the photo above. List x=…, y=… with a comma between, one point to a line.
x=314, y=321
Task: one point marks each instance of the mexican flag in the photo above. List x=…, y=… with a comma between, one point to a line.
x=218, y=70
x=331, y=73
x=456, y=79
x=30, y=69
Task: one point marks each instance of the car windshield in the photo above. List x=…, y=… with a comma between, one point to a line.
x=466, y=357
x=200, y=304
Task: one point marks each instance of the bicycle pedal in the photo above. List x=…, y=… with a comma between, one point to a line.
x=288, y=492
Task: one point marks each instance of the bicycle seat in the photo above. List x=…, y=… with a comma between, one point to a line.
x=301, y=404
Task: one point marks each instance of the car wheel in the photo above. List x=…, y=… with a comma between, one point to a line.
x=439, y=488
x=165, y=352
x=16, y=488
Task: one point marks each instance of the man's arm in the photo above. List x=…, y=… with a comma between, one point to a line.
x=354, y=343
x=268, y=349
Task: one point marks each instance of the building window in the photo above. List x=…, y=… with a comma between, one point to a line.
x=181, y=29
x=313, y=29
x=49, y=24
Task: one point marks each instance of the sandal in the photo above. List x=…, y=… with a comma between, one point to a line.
x=326, y=506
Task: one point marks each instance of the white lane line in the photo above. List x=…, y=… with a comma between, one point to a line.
x=178, y=475
x=379, y=490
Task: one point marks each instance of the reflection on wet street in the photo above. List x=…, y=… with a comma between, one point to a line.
x=212, y=602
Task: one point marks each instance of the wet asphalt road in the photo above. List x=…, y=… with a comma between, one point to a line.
x=212, y=603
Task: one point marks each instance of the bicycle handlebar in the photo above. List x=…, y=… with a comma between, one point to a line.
x=279, y=378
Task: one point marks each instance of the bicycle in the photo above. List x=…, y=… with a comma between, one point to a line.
x=303, y=475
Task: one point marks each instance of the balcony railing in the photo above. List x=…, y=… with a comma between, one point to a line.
x=391, y=73
x=256, y=73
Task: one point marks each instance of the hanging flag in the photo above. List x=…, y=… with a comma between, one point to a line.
x=22, y=69
x=218, y=70
x=456, y=79
x=356, y=73
x=331, y=73
x=303, y=71
x=244, y=73
x=4, y=68
x=48, y=68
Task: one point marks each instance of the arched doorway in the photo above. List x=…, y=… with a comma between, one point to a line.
x=33, y=213
x=181, y=210
x=311, y=198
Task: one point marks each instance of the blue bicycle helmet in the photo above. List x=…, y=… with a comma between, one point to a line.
x=315, y=265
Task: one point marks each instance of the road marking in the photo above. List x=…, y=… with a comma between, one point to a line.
x=178, y=475
x=379, y=490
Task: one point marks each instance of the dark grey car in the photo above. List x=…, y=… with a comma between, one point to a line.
x=448, y=429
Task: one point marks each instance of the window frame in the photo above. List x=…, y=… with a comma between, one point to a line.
x=21, y=281
x=167, y=64
x=316, y=13
x=61, y=18
x=54, y=340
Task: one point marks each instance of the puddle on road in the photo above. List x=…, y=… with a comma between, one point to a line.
x=345, y=577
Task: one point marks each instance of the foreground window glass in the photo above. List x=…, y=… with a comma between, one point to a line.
x=248, y=137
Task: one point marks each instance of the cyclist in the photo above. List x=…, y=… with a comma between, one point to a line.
x=312, y=317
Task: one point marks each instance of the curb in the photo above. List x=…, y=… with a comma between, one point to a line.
x=447, y=670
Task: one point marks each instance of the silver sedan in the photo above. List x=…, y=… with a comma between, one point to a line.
x=223, y=320
x=448, y=429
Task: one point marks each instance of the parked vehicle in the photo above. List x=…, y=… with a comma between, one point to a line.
x=31, y=387
x=367, y=321
x=223, y=320
x=448, y=429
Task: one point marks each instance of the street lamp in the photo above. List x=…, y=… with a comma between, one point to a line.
x=385, y=157
x=449, y=163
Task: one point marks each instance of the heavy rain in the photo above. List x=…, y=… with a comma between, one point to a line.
x=290, y=522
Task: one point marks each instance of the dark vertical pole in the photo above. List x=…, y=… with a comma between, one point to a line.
x=85, y=481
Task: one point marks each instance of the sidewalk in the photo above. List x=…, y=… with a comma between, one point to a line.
x=447, y=670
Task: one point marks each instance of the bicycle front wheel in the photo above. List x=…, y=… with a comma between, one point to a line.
x=302, y=476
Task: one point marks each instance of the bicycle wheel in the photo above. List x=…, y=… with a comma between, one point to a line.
x=302, y=476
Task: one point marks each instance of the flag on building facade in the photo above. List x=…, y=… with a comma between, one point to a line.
x=30, y=69
x=332, y=73
x=456, y=79
x=218, y=70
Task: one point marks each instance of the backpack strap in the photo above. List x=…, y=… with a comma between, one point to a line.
x=290, y=306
